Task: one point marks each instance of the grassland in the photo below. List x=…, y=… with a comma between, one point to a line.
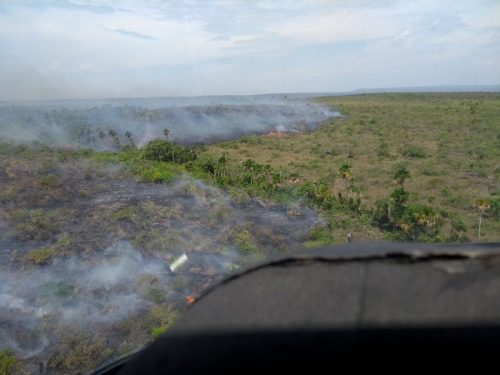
x=450, y=143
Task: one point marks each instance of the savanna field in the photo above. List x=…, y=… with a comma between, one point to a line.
x=92, y=233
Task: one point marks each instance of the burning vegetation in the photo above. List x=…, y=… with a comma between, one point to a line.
x=95, y=263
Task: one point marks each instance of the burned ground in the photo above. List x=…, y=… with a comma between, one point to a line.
x=85, y=260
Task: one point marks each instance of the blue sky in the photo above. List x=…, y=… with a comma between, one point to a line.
x=63, y=49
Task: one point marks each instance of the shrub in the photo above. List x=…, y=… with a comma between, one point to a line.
x=242, y=240
x=32, y=224
x=42, y=255
x=156, y=295
x=179, y=282
x=9, y=364
x=165, y=151
x=158, y=172
x=229, y=144
x=49, y=182
x=7, y=148
x=495, y=207
x=55, y=291
x=160, y=316
x=383, y=150
x=250, y=139
x=321, y=235
x=157, y=331
x=446, y=192
x=411, y=151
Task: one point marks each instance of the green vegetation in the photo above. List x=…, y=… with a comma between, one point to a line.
x=42, y=255
x=78, y=351
x=421, y=141
x=9, y=364
x=33, y=225
x=49, y=182
x=156, y=295
x=165, y=151
x=55, y=292
x=157, y=331
x=161, y=316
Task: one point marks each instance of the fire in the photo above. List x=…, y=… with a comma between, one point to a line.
x=275, y=133
x=189, y=299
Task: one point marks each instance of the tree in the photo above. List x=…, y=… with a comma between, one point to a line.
x=128, y=135
x=481, y=205
x=401, y=175
x=425, y=216
x=221, y=166
x=399, y=198
x=345, y=173
x=166, y=132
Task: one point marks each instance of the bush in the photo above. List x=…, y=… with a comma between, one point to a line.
x=49, y=182
x=250, y=139
x=7, y=148
x=495, y=207
x=160, y=316
x=411, y=151
x=157, y=331
x=179, y=282
x=41, y=256
x=165, y=151
x=156, y=295
x=242, y=240
x=32, y=224
x=446, y=192
x=55, y=291
x=321, y=235
x=158, y=172
x=383, y=150
x=9, y=364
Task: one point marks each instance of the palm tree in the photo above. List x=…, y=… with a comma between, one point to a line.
x=482, y=205
x=426, y=217
x=166, y=132
x=345, y=173
x=401, y=175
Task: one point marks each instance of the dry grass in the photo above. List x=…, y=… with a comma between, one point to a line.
x=459, y=132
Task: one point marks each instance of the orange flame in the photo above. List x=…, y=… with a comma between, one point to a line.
x=189, y=299
x=275, y=133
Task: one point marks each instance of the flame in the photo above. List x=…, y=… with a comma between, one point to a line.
x=275, y=133
x=189, y=299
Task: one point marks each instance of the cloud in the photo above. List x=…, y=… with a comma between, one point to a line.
x=220, y=46
x=89, y=68
x=133, y=34
x=221, y=38
x=403, y=35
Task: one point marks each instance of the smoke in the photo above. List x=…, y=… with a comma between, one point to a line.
x=122, y=278
x=190, y=120
x=122, y=235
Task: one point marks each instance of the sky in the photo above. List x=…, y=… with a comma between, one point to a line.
x=75, y=49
